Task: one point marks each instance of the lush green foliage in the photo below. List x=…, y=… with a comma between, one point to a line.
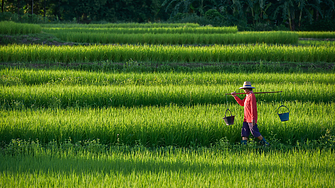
x=117, y=53
x=184, y=108
x=123, y=25
x=315, y=34
x=88, y=164
x=83, y=128
x=175, y=39
x=317, y=43
x=82, y=78
x=246, y=14
x=163, y=125
x=12, y=28
x=152, y=30
x=95, y=96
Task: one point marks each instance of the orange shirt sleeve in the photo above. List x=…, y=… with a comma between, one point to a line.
x=239, y=101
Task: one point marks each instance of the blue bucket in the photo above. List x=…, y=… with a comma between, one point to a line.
x=284, y=116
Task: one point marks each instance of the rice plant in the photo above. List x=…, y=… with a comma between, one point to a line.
x=317, y=43
x=123, y=25
x=132, y=95
x=316, y=34
x=88, y=164
x=30, y=77
x=12, y=28
x=163, y=30
x=162, y=125
x=178, y=38
x=69, y=128
x=159, y=53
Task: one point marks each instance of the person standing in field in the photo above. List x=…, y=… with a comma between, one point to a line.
x=250, y=114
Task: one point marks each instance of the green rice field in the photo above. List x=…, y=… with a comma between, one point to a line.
x=159, y=53
x=123, y=25
x=177, y=39
x=165, y=167
x=154, y=30
x=143, y=115
x=9, y=27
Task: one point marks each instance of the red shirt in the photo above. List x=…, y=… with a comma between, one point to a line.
x=250, y=107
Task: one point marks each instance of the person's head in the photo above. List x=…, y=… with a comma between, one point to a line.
x=247, y=87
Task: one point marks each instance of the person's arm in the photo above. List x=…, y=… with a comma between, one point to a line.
x=238, y=100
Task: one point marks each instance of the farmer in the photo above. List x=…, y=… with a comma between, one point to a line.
x=250, y=115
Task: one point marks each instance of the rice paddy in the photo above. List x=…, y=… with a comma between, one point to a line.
x=128, y=123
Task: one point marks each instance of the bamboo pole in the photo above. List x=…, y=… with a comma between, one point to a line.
x=256, y=92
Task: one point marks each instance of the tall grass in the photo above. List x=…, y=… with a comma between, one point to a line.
x=159, y=30
x=123, y=25
x=14, y=76
x=179, y=107
x=12, y=28
x=122, y=53
x=165, y=167
x=316, y=34
x=165, y=125
x=317, y=43
x=75, y=128
x=178, y=39
x=46, y=96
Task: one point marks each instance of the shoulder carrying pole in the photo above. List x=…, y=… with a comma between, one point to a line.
x=256, y=93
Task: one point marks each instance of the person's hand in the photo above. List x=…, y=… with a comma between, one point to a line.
x=233, y=93
x=253, y=123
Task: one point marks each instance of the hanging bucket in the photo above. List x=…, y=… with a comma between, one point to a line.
x=230, y=119
x=283, y=116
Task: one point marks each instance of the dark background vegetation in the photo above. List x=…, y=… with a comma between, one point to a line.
x=255, y=15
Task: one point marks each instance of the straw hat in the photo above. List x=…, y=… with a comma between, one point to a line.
x=247, y=85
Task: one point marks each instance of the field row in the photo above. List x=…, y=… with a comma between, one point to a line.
x=171, y=125
x=59, y=96
x=178, y=39
x=70, y=77
x=157, y=30
x=169, y=27
x=123, y=25
x=163, y=168
x=119, y=53
x=316, y=43
x=12, y=28
x=316, y=34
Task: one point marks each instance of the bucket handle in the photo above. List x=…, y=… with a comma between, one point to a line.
x=225, y=115
x=283, y=106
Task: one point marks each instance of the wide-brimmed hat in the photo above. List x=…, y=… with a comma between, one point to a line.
x=247, y=85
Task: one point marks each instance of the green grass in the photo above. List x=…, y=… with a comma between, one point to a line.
x=316, y=34
x=163, y=128
x=317, y=43
x=157, y=30
x=12, y=28
x=71, y=165
x=39, y=38
x=187, y=106
x=65, y=77
x=159, y=53
x=184, y=38
x=174, y=125
x=137, y=95
x=123, y=25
